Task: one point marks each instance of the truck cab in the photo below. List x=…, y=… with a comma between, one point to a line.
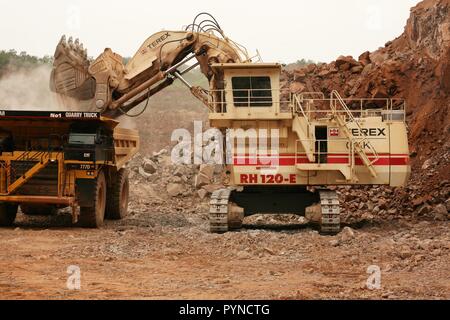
x=89, y=143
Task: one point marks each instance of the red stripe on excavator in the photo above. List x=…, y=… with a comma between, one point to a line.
x=291, y=161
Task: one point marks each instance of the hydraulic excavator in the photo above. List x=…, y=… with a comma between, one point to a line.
x=321, y=142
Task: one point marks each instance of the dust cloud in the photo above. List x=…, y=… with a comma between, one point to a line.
x=28, y=89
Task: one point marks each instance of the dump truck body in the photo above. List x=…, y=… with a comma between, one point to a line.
x=56, y=158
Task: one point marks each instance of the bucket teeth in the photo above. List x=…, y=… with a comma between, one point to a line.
x=70, y=43
x=73, y=48
x=70, y=74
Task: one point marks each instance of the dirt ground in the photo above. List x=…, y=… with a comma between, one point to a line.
x=156, y=254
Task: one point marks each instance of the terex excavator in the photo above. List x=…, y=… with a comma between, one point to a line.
x=321, y=141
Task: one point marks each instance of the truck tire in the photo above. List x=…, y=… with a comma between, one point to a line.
x=38, y=210
x=94, y=216
x=118, y=195
x=8, y=213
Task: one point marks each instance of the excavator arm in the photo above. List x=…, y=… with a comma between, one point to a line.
x=114, y=88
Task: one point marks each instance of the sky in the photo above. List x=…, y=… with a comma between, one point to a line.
x=282, y=31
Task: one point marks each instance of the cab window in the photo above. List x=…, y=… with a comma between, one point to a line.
x=82, y=138
x=252, y=91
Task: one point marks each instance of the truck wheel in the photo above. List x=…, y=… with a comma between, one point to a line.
x=37, y=210
x=118, y=194
x=93, y=217
x=8, y=213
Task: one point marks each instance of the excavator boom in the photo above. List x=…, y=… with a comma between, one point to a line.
x=113, y=88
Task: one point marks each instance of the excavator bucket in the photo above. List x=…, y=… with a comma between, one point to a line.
x=70, y=76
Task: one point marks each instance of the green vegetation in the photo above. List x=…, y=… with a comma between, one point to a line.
x=299, y=64
x=11, y=60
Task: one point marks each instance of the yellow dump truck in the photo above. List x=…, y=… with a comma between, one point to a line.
x=51, y=160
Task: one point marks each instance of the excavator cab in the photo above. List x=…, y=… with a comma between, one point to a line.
x=249, y=91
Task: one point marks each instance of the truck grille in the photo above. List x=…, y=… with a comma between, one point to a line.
x=44, y=183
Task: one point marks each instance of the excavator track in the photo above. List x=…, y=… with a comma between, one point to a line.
x=331, y=213
x=219, y=211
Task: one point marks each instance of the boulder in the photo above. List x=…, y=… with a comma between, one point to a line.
x=202, y=193
x=205, y=176
x=174, y=189
x=297, y=87
x=149, y=166
x=357, y=69
x=364, y=59
x=314, y=214
x=427, y=164
x=144, y=174
x=440, y=212
x=347, y=234
x=346, y=63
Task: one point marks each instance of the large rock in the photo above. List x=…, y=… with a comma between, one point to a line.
x=202, y=193
x=347, y=234
x=346, y=63
x=297, y=87
x=364, y=59
x=314, y=214
x=427, y=164
x=174, y=189
x=149, y=166
x=144, y=174
x=205, y=176
x=440, y=212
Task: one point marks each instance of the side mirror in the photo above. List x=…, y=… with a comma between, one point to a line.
x=98, y=138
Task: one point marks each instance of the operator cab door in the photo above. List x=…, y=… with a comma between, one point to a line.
x=321, y=144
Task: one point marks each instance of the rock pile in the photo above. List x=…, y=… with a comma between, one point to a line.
x=175, y=181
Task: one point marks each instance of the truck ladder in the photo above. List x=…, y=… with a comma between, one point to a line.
x=341, y=117
x=302, y=126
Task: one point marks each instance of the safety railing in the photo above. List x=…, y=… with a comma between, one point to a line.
x=343, y=152
x=312, y=105
x=251, y=99
x=349, y=120
x=316, y=107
